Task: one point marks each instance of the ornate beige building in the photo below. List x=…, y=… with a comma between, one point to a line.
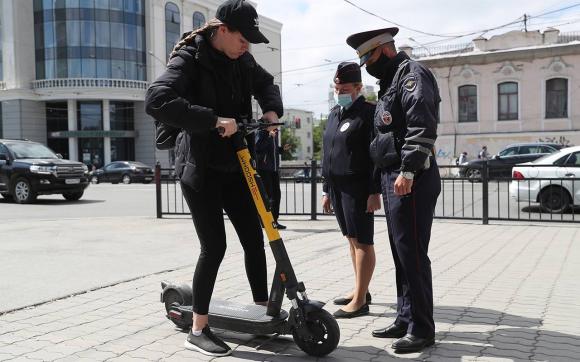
x=515, y=87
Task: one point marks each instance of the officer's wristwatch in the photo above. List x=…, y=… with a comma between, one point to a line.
x=408, y=175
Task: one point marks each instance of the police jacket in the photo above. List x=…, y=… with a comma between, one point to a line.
x=346, y=141
x=267, y=151
x=408, y=109
x=200, y=84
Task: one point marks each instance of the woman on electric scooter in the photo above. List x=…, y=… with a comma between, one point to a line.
x=209, y=82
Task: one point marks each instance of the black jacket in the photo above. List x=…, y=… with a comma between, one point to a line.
x=408, y=106
x=199, y=85
x=267, y=151
x=346, y=142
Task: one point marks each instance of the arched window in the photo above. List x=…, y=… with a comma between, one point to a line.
x=467, y=103
x=172, y=27
x=198, y=20
x=507, y=98
x=557, y=98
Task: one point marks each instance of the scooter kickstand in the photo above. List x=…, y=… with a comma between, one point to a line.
x=270, y=339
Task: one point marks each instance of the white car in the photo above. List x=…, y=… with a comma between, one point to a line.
x=553, y=181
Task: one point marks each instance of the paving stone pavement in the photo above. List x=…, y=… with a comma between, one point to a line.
x=504, y=292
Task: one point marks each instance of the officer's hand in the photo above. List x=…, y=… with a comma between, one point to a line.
x=373, y=203
x=226, y=126
x=286, y=147
x=271, y=117
x=403, y=186
x=326, y=206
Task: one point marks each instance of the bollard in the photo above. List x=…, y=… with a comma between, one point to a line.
x=158, y=189
x=313, y=197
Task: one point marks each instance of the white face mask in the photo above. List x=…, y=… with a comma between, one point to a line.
x=343, y=100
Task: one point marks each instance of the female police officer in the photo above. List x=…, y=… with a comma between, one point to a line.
x=349, y=187
x=208, y=83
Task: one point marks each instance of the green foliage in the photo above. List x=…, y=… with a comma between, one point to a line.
x=289, y=138
x=317, y=133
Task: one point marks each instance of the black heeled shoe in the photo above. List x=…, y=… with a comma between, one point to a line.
x=345, y=301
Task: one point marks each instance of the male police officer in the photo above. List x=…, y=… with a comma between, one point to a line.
x=406, y=125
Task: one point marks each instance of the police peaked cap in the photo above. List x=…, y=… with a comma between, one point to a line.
x=347, y=72
x=367, y=41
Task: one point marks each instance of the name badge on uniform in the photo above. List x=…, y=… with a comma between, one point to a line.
x=345, y=127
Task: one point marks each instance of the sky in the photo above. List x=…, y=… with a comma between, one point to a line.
x=314, y=32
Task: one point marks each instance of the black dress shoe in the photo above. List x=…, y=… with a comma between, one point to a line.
x=280, y=226
x=410, y=344
x=364, y=310
x=345, y=301
x=392, y=331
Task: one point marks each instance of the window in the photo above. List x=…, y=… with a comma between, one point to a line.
x=547, y=149
x=557, y=98
x=56, y=116
x=507, y=101
x=526, y=150
x=509, y=151
x=122, y=115
x=198, y=20
x=172, y=27
x=573, y=160
x=467, y=103
x=90, y=116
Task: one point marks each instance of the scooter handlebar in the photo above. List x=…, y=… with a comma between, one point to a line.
x=252, y=125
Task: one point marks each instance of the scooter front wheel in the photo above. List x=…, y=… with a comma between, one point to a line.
x=323, y=334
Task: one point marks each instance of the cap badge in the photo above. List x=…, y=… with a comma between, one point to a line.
x=256, y=22
x=387, y=118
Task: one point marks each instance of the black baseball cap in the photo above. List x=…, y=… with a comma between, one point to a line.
x=243, y=17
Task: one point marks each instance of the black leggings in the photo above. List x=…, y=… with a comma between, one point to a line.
x=225, y=191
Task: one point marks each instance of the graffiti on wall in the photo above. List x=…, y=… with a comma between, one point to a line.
x=562, y=140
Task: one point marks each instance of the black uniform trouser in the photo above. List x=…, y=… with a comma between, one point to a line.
x=225, y=191
x=271, y=181
x=409, y=221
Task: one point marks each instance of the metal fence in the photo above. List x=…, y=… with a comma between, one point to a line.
x=489, y=194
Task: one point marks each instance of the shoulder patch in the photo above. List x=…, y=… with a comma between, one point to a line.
x=410, y=83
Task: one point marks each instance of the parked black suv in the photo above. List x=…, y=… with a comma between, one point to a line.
x=501, y=164
x=29, y=169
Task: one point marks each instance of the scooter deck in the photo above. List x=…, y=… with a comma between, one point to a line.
x=242, y=318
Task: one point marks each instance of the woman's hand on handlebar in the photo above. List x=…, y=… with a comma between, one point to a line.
x=226, y=126
x=271, y=117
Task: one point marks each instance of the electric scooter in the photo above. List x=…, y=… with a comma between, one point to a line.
x=313, y=329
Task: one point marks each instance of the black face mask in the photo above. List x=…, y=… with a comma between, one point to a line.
x=378, y=68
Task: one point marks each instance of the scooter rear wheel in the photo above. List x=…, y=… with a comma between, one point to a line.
x=324, y=334
x=173, y=298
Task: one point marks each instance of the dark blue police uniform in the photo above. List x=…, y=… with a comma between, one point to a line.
x=408, y=110
x=406, y=124
x=348, y=169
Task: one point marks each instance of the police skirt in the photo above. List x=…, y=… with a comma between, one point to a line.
x=349, y=195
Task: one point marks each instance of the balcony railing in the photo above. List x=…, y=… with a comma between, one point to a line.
x=89, y=83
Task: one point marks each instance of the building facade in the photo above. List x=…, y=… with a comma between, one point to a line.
x=515, y=87
x=73, y=73
x=301, y=123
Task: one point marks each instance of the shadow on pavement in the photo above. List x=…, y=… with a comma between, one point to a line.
x=508, y=336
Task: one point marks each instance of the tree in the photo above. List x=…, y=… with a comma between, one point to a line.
x=317, y=133
x=289, y=138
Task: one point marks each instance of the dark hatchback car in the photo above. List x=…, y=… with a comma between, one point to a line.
x=29, y=169
x=501, y=164
x=123, y=171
